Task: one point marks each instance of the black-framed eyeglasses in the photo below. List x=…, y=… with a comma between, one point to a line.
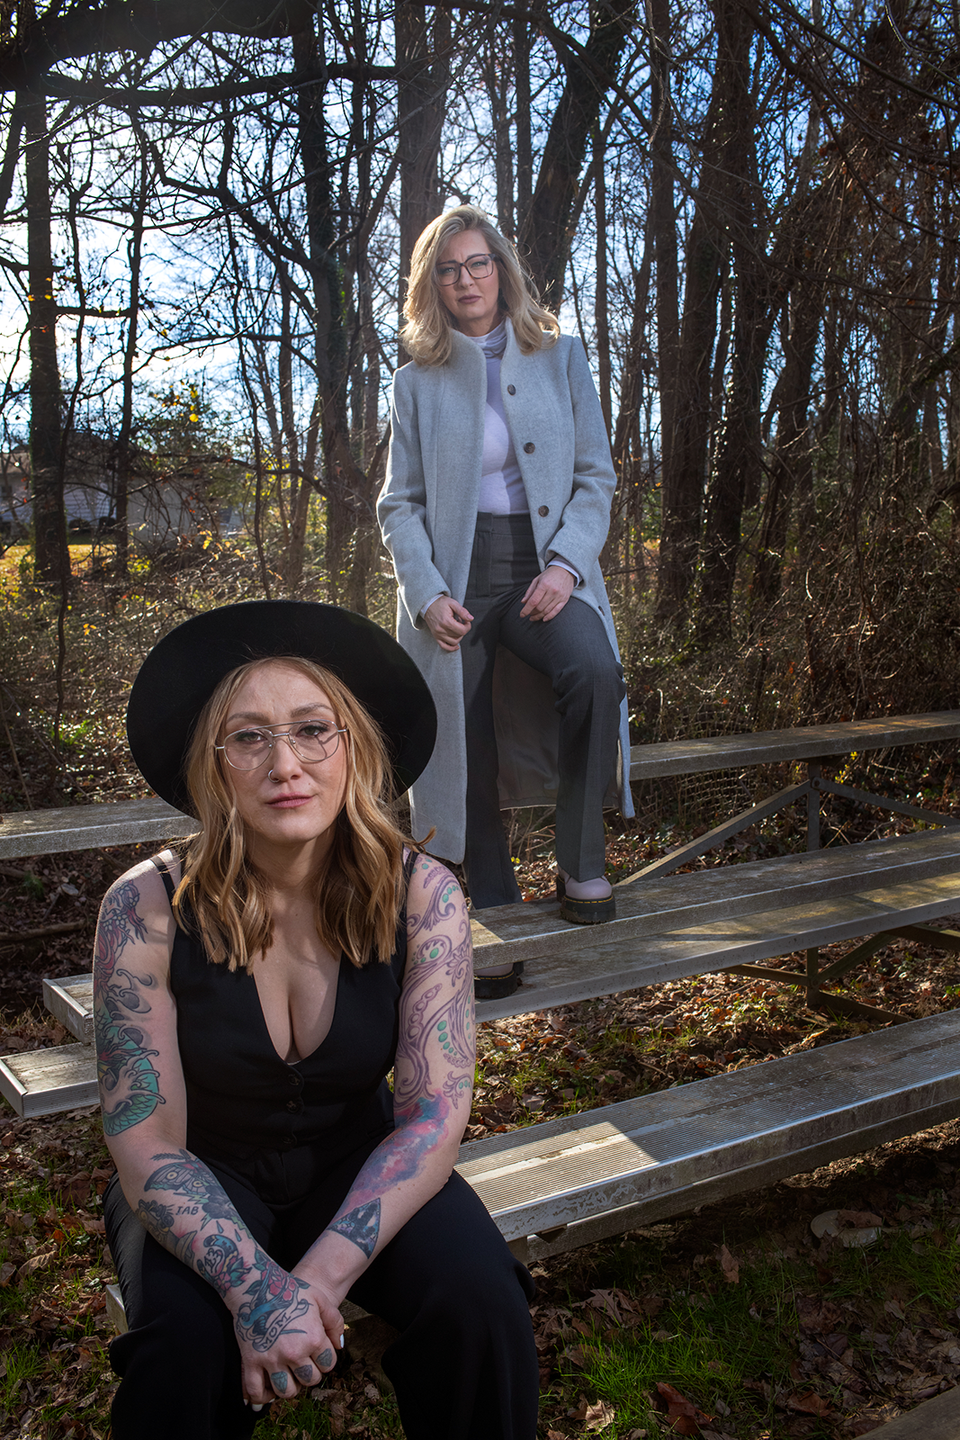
x=478, y=266
x=311, y=741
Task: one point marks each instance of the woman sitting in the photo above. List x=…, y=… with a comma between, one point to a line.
x=251, y=1000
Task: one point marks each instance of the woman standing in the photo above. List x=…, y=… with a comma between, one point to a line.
x=250, y=999
x=495, y=508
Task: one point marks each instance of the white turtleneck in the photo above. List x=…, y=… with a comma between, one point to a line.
x=501, y=484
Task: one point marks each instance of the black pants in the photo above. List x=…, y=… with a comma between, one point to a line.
x=573, y=651
x=464, y=1366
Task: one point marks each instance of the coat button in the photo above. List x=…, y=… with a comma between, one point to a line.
x=529, y=448
x=544, y=510
x=511, y=389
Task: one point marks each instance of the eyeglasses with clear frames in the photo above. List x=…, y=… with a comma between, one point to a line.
x=479, y=266
x=311, y=741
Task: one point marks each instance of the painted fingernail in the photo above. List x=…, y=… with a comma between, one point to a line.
x=341, y=1342
x=256, y=1409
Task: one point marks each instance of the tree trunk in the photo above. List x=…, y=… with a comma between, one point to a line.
x=739, y=455
x=342, y=482
x=791, y=466
x=422, y=78
x=124, y=455
x=521, y=66
x=496, y=77
x=46, y=432
x=545, y=233
x=663, y=227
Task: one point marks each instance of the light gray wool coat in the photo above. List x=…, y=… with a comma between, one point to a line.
x=427, y=511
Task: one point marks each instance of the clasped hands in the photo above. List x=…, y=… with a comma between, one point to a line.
x=292, y=1345
x=448, y=621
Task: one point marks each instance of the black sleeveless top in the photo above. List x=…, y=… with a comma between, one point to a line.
x=244, y=1101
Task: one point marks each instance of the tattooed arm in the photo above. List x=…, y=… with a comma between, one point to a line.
x=286, y=1332
x=433, y=1086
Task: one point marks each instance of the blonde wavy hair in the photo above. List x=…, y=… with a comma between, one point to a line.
x=358, y=891
x=426, y=335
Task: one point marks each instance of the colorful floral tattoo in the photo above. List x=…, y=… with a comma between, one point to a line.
x=129, y=1082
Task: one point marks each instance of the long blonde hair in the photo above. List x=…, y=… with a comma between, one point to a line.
x=358, y=891
x=426, y=334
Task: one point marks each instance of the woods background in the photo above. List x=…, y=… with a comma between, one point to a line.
x=748, y=210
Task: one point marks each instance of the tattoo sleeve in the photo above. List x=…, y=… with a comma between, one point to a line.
x=227, y=1256
x=443, y=1013
x=435, y=1057
x=129, y=1082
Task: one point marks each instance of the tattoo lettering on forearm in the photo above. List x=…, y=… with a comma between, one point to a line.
x=188, y=1178
x=129, y=1082
x=361, y=1226
x=275, y=1301
x=158, y=1220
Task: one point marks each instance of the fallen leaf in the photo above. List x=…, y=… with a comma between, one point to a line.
x=599, y=1416
x=7, y=1272
x=687, y=1417
x=729, y=1265
x=859, y=1219
x=809, y=1404
x=612, y=1301
x=817, y=1314
x=36, y=1262
x=19, y=1222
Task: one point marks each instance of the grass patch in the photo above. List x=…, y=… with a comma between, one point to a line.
x=777, y=1339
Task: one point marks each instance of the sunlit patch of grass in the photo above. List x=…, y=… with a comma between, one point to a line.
x=21, y=1364
x=919, y=1269
x=726, y=1348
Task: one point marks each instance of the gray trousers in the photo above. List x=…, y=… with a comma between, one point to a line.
x=573, y=651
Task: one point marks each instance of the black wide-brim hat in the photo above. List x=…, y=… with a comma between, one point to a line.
x=183, y=669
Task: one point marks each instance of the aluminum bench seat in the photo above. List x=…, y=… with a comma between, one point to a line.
x=606, y=963
x=89, y=827
x=564, y=1183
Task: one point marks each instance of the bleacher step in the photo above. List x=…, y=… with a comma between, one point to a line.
x=71, y=1001
x=646, y=907
x=631, y=1163
x=603, y=966
x=802, y=742
x=88, y=827
x=46, y=1082
x=607, y=966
